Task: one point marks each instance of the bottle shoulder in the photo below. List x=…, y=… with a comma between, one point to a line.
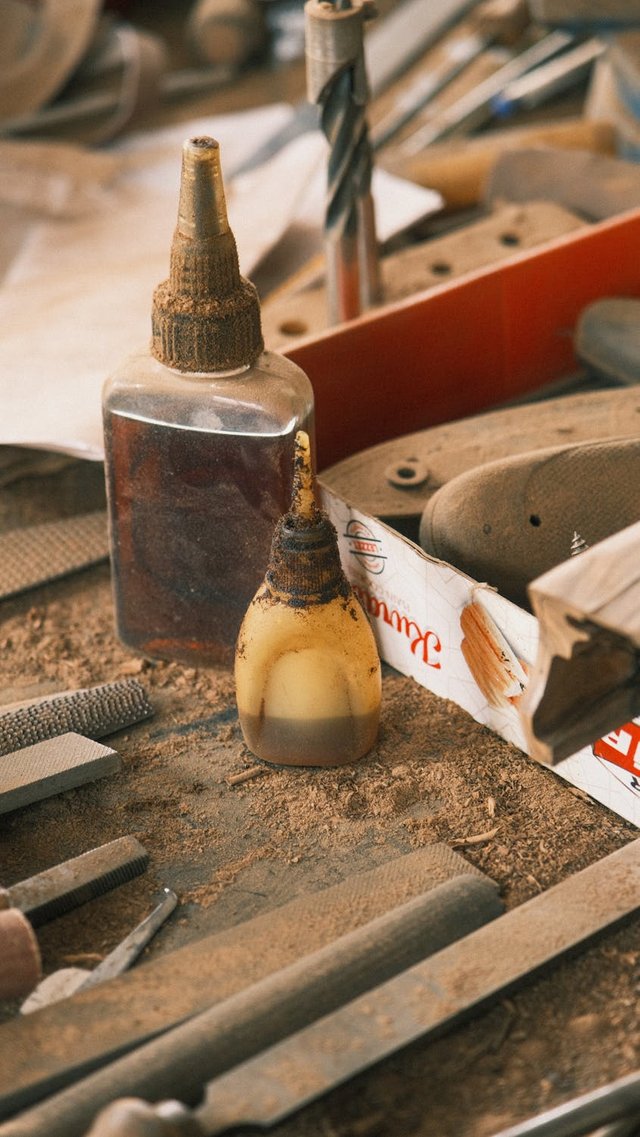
x=272, y=394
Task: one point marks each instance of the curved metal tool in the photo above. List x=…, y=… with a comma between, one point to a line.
x=68, y=980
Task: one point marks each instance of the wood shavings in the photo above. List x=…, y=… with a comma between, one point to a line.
x=477, y=839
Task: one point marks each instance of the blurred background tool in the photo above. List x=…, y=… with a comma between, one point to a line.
x=31, y=555
x=543, y=83
x=226, y=32
x=475, y=108
x=392, y=44
x=586, y=13
x=457, y=54
x=337, y=81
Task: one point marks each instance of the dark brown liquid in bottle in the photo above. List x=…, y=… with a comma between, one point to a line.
x=192, y=516
x=310, y=742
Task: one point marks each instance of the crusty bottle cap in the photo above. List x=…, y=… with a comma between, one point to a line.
x=206, y=316
x=305, y=561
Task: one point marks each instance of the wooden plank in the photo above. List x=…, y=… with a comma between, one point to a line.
x=302, y=311
x=51, y=767
x=585, y=680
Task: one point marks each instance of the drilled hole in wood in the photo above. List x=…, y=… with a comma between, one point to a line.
x=410, y=472
x=535, y=520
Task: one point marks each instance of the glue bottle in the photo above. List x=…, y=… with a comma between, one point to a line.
x=307, y=668
x=199, y=441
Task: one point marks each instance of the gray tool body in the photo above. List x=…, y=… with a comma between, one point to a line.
x=182, y=1060
x=65, y=886
x=419, y=1003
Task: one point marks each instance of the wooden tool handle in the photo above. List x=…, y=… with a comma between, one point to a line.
x=458, y=170
x=20, y=965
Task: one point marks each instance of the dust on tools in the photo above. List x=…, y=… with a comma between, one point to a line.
x=198, y=441
x=62, y=983
x=51, y=767
x=90, y=1029
x=182, y=1060
x=71, y=883
x=509, y=521
x=91, y=711
x=307, y=669
x=438, y=993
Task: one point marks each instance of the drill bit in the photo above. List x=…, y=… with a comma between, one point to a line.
x=337, y=82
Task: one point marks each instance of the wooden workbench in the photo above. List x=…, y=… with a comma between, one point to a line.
x=232, y=850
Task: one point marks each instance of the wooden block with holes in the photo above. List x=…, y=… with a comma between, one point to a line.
x=50, y=767
x=510, y=229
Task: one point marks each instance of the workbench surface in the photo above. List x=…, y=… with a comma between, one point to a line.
x=232, y=850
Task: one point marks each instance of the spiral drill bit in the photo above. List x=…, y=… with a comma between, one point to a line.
x=337, y=82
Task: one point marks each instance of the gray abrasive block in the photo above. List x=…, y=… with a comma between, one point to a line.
x=50, y=767
x=34, y=554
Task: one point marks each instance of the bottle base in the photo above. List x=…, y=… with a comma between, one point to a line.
x=317, y=742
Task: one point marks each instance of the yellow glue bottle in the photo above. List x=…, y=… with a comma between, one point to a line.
x=307, y=668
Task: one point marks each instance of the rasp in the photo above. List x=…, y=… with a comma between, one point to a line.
x=420, y=1002
x=66, y=886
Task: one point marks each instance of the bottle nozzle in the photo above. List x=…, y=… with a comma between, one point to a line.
x=206, y=316
x=303, y=501
x=202, y=209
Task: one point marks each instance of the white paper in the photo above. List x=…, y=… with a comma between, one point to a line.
x=76, y=299
x=414, y=603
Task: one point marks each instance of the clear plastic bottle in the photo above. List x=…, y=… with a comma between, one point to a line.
x=199, y=442
x=307, y=668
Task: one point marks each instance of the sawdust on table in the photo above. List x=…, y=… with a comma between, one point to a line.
x=232, y=848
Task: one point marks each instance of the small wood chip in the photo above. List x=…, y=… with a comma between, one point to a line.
x=245, y=775
x=477, y=839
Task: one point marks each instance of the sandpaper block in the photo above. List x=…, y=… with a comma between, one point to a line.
x=50, y=767
x=34, y=554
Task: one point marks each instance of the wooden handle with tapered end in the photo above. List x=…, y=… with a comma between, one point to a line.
x=585, y=680
x=20, y=964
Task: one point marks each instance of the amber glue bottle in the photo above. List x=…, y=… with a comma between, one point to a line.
x=199, y=441
x=307, y=669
